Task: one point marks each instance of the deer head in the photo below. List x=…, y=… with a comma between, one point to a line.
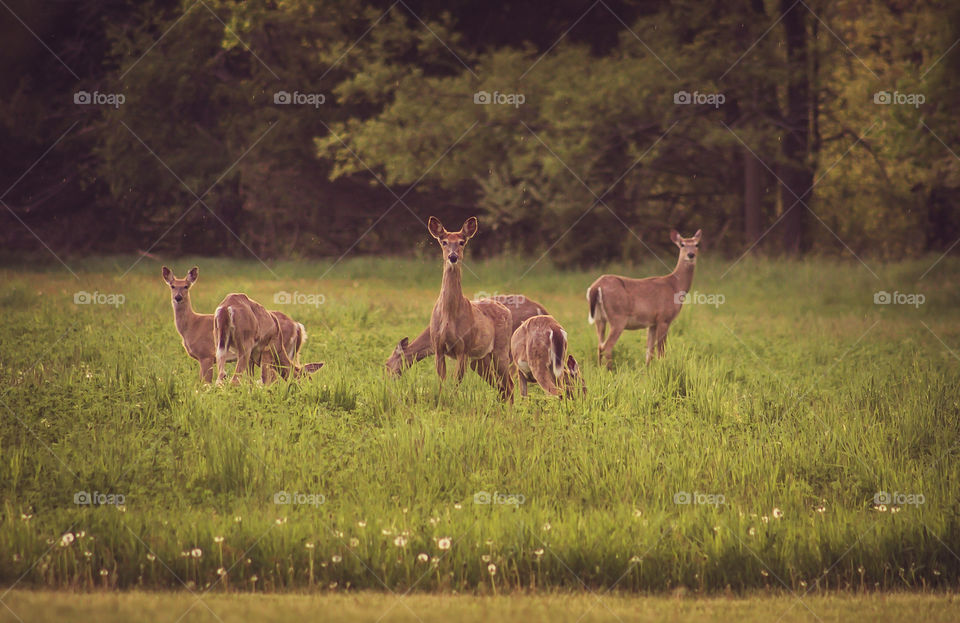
x=395, y=362
x=688, y=246
x=572, y=379
x=452, y=242
x=179, y=288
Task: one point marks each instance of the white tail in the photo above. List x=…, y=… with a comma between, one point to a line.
x=539, y=349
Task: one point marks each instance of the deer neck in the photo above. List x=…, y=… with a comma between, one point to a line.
x=184, y=316
x=682, y=275
x=451, y=290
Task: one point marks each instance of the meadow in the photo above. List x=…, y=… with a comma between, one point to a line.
x=797, y=438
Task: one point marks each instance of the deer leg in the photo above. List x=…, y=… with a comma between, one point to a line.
x=522, y=382
x=268, y=367
x=651, y=342
x=610, y=342
x=243, y=362
x=441, y=364
x=206, y=370
x=461, y=367
x=501, y=367
x=662, y=339
x=601, y=326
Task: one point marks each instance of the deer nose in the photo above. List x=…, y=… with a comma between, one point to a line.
x=453, y=258
x=691, y=255
x=178, y=298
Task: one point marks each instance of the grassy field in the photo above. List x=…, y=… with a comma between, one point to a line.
x=751, y=457
x=571, y=608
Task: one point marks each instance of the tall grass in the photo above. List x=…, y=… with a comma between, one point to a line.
x=794, y=403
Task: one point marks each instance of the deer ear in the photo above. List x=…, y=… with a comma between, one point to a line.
x=193, y=274
x=572, y=363
x=310, y=368
x=696, y=236
x=675, y=236
x=436, y=228
x=469, y=228
x=167, y=274
x=404, y=343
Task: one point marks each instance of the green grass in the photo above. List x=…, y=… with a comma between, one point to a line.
x=796, y=394
x=25, y=606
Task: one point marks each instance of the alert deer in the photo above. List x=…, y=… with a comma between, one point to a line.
x=197, y=329
x=539, y=349
x=242, y=324
x=408, y=353
x=651, y=303
x=463, y=329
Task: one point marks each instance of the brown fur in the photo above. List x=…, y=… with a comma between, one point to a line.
x=407, y=353
x=539, y=349
x=651, y=303
x=245, y=325
x=463, y=329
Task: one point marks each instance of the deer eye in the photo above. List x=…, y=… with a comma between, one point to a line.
x=460, y=243
x=186, y=287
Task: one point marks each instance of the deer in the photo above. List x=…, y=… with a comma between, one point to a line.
x=652, y=303
x=196, y=330
x=464, y=329
x=539, y=350
x=407, y=353
x=243, y=325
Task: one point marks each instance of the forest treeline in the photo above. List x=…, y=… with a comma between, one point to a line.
x=313, y=128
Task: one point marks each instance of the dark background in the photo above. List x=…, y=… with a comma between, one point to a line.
x=200, y=160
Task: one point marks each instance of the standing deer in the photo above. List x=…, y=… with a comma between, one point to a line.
x=408, y=353
x=539, y=349
x=243, y=325
x=463, y=329
x=651, y=303
x=197, y=329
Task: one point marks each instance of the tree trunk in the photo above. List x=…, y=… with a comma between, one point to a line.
x=797, y=177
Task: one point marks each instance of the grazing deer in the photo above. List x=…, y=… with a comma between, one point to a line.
x=651, y=303
x=242, y=324
x=408, y=353
x=291, y=339
x=539, y=349
x=463, y=329
x=195, y=329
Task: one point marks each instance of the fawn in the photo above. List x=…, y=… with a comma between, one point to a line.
x=651, y=303
x=539, y=349
x=463, y=329
x=408, y=353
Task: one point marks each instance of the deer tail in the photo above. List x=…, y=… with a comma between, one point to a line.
x=558, y=342
x=595, y=299
x=222, y=322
